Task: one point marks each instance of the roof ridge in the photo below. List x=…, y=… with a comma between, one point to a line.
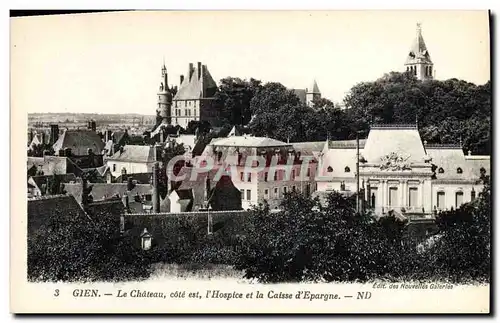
x=48, y=197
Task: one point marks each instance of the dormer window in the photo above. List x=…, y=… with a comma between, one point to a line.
x=440, y=170
x=347, y=169
x=459, y=170
x=329, y=169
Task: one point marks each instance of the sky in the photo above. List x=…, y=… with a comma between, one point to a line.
x=111, y=62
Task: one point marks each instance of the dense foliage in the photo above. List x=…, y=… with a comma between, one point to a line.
x=333, y=243
x=71, y=247
x=450, y=111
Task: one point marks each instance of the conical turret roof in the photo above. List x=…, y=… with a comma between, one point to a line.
x=418, y=52
x=313, y=88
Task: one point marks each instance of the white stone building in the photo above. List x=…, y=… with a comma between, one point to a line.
x=399, y=172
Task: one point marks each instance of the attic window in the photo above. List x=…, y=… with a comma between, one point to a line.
x=347, y=169
x=440, y=170
x=329, y=169
x=459, y=170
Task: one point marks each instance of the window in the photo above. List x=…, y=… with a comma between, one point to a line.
x=459, y=199
x=308, y=189
x=114, y=167
x=308, y=172
x=276, y=192
x=440, y=170
x=266, y=193
x=430, y=70
x=347, y=169
x=294, y=188
x=242, y=194
x=459, y=170
x=249, y=177
x=265, y=177
x=393, y=196
x=440, y=200
x=472, y=195
x=330, y=169
x=276, y=175
x=249, y=195
x=413, y=196
x=293, y=173
x=284, y=190
x=241, y=176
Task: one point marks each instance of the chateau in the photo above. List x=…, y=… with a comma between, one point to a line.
x=193, y=100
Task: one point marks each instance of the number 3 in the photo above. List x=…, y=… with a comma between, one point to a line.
x=56, y=293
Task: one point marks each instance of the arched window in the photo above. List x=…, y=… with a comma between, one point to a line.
x=347, y=169
x=440, y=170
x=329, y=169
x=459, y=170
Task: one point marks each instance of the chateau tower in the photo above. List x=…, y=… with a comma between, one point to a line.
x=164, y=98
x=418, y=62
x=312, y=93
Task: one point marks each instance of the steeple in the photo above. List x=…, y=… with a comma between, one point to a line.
x=418, y=61
x=312, y=93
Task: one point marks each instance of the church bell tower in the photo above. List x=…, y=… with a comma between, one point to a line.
x=418, y=62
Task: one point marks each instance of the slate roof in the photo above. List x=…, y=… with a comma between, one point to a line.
x=346, y=143
x=418, y=52
x=43, y=179
x=248, y=141
x=310, y=148
x=197, y=87
x=135, y=153
x=51, y=165
x=103, y=191
x=313, y=88
x=301, y=94
x=141, y=178
x=450, y=159
x=403, y=140
x=79, y=141
x=41, y=209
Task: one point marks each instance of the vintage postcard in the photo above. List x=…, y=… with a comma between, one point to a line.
x=251, y=162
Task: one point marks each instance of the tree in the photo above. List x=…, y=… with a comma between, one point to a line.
x=71, y=247
x=450, y=111
x=322, y=242
x=462, y=248
x=233, y=99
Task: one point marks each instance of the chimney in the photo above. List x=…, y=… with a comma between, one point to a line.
x=156, y=195
x=109, y=136
x=158, y=152
x=207, y=189
x=182, y=79
x=54, y=133
x=199, y=70
x=130, y=184
x=190, y=71
x=125, y=201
